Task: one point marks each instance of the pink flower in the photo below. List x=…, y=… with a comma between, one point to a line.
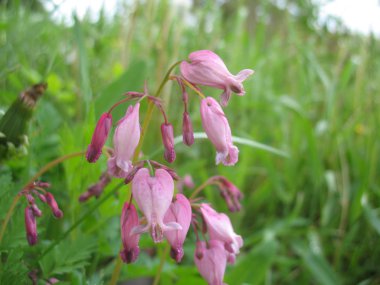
x=125, y=140
x=129, y=219
x=220, y=228
x=153, y=195
x=50, y=200
x=207, y=68
x=187, y=130
x=180, y=212
x=211, y=261
x=168, y=141
x=216, y=126
x=30, y=226
x=99, y=137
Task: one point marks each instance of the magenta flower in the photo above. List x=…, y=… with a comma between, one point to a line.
x=153, y=195
x=125, y=140
x=212, y=262
x=167, y=134
x=207, y=68
x=220, y=228
x=50, y=200
x=187, y=130
x=129, y=219
x=218, y=130
x=99, y=137
x=179, y=212
x=30, y=226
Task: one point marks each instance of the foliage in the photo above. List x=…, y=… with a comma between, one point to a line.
x=312, y=218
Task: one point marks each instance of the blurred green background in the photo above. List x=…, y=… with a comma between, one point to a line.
x=312, y=218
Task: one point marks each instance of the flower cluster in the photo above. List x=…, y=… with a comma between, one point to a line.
x=164, y=214
x=32, y=211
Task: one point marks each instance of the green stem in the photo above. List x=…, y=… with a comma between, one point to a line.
x=147, y=119
x=161, y=266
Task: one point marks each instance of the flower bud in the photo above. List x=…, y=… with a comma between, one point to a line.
x=168, y=141
x=36, y=211
x=50, y=200
x=30, y=226
x=99, y=137
x=187, y=130
x=129, y=219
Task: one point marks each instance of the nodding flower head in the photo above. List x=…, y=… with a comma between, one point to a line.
x=99, y=137
x=218, y=130
x=125, y=140
x=153, y=195
x=207, y=68
x=168, y=141
x=220, y=228
x=179, y=212
x=129, y=219
x=30, y=226
x=212, y=261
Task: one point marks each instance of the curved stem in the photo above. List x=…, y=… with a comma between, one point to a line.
x=118, y=103
x=34, y=178
x=200, y=188
x=161, y=266
x=147, y=119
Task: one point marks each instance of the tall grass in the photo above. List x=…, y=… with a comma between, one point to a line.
x=312, y=218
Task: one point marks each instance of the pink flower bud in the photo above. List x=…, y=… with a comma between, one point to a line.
x=131, y=174
x=220, y=228
x=207, y=68
x=168, y=141
x=129, y=219
x=213, y=263
x=186, y=181
x=30, y=226
x=153, y=195
x=99, y=137
x=42, y=197
x=125, y=141
x=187, y=130
x=50, y=200
x=218, y=131
x=229, y=192
x=36, y=211
x=179, y=212
x=169, y=170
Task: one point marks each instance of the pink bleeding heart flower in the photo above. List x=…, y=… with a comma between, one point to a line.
x=99, y=137
x=207, y=68
x=211, y=261
x=30, y=226
x=153, y=195
x=220, y=228
x=129, y=219
x=218, y=131
x=179, y=212
x=125, y=140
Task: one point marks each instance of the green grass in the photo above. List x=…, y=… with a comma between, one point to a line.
x=312, y=218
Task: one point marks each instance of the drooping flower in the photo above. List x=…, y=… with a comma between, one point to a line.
x=212, y=262
x=186, y=181
x=153, y=195
x=220, y=228
x=30, y=226
x=99, y=137
x=167, y=134
x=229, y=192
x=129, y=219
x=207, y=68
x=180, y=212
x=125, y=140
x=218, y=130
x=96, y=189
